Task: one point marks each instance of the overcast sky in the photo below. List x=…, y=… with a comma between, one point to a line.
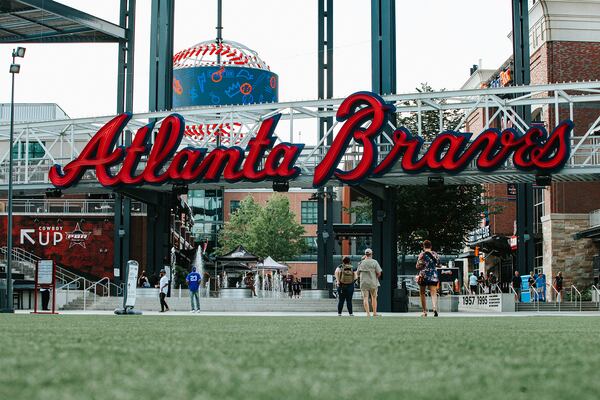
x=437, y=42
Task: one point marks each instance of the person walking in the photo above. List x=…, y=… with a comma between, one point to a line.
x=163, y=289
x=516, y=285
x=558, y=285
x=297, y=288
x=473, y=283
x=369, y=273
x=427, y=264
x=532, y=287
x=193, y=280
x=249, y=282
x=540, y=284
x=289, y=283
x=345, y=277
x=493, y=282
x=480, y=283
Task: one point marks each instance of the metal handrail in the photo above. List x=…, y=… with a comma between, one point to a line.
x=68, y=286
x=70, y=206
x=466, y=288
x=557, y=295
x=482, y=288
x=495, y=288
x=597, y=295
x=536, y=297
x=512, y=289
x=578, y=293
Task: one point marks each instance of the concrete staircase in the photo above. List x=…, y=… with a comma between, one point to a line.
x=564, y=306
x=216, y=304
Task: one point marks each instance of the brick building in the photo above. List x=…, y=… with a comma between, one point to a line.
x=565, y=46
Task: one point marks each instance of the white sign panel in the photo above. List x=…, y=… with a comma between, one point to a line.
x=486, y=303
x=44, y=272
x=133, y=268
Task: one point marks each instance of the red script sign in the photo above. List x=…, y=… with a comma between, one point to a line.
x=449, y=152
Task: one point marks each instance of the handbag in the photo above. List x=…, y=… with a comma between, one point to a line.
x=420, y=278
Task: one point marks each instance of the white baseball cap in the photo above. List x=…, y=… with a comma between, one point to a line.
x=368, y=251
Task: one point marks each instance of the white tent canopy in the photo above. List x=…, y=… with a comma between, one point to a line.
x=271, y=264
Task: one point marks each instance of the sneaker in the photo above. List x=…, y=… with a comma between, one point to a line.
x=435, y=313
x=352, y=315
x=192, y=310
x=339, y=315
x=197, y=311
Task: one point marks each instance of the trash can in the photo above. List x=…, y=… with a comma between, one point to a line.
x=400, y=300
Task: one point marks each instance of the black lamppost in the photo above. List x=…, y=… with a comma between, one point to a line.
x=14, y=69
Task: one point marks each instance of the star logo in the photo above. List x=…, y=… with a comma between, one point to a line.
x=77, y=237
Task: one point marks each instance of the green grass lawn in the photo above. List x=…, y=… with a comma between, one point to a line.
x=172, y=357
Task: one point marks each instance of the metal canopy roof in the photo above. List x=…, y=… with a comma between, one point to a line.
x=43, y=21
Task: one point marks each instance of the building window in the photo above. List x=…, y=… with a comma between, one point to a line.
x=311, y=245
x=538, y=209
x=234, y=205
x=308, y=211
x=34, y=151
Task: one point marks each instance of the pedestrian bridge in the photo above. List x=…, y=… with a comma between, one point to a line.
x=210, y=127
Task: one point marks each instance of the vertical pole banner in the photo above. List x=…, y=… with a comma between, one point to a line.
x=132, y=273
x=45, y=277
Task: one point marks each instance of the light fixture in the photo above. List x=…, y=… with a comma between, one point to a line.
x=19, y=52
x=281, y=186
x=435, y=181
x=15, y=68
x=180, y=189
x=543, y=180
x=53, y=193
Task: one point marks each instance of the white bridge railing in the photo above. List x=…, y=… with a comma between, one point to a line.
x=62, y=140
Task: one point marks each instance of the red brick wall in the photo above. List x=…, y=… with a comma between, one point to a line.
x=575, y=197
x=503, y=222
x=302, y=269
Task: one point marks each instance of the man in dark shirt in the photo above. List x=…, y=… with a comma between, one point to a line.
x=516, y=284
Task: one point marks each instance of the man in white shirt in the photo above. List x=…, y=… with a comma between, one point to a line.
x=163, y=289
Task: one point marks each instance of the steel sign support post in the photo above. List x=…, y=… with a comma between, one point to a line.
x=161, y=98
x=122, y=219
x=383, y=61
x=161, y=55
x=521, y=56
x=325, y=241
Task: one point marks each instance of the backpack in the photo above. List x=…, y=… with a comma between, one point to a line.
x=346, y=274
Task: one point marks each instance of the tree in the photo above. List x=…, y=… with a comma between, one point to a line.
x=236, y=231
x=444, y=214
x=430, y=119
x=275, y=231
x=264, y=231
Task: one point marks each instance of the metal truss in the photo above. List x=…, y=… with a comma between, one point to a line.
x=62, y=140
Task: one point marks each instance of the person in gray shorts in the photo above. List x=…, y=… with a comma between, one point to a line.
x=369, y=273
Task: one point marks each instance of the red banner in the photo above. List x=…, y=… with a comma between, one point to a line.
x=84, y=246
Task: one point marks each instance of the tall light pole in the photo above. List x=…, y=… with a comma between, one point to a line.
x=14, y=69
